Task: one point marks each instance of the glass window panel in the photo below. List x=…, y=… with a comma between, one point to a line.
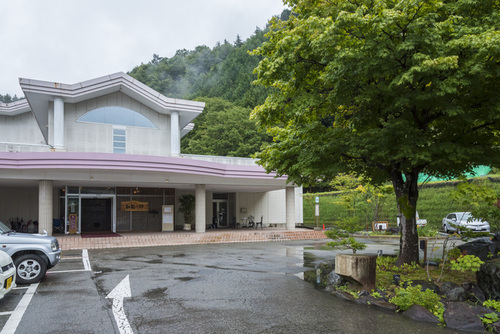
x=119, y=144
x=119, y=150
x=117, y=116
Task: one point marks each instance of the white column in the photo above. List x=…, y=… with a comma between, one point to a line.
x=175, y=134
x=290, y=208
x=58, y=123
x=200, y=211
x=45, y=204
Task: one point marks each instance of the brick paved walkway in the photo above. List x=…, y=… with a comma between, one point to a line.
x=135, y=239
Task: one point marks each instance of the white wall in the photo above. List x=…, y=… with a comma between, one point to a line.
x=91, y=137
x=271, y=205
x=23, y=203
x=21, y=128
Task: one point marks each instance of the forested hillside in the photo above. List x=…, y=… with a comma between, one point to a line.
x=8, y=98
x=222, y=77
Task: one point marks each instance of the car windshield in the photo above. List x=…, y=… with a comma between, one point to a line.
x=4, y=228
x=464, y=216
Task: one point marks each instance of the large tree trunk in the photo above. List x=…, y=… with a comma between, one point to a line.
x=407, y=196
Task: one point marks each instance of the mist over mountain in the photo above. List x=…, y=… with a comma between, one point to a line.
x=221, y=76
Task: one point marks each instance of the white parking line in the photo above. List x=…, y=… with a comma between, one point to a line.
x=16, y=315
x=85, y=260
x=14, y=320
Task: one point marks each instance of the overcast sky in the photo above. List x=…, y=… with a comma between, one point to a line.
x=69, y=41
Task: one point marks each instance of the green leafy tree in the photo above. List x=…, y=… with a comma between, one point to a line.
x=478, y=197
x=223, y=129
x=385, y=89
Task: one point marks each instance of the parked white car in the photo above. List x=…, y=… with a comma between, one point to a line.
x=7, y=274
x=420, y=222
x=461, y=220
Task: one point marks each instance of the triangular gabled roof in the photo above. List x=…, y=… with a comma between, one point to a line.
x=39, y=93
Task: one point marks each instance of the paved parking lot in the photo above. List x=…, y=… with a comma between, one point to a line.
x=213, y=288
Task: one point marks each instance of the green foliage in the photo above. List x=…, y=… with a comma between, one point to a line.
x=480, y=198
x=492, y=304
x=359, y=197
x=413, y=295
x=223, y=129
x=224, y=71
x=427, y=231
x=489, y=319
x=349, y=291
x=7, y=98
x=385, y=263
x=434, y=203
x=466, y=263
x=385, y=89
x=454, y=253
x=406, y=268
x=187, y=205
x=347, y=242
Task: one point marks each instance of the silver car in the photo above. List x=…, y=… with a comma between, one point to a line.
x=32, y=254
x=459, y=221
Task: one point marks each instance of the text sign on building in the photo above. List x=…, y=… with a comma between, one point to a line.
x=135, y=206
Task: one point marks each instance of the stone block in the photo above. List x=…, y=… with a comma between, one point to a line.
x=357, y=267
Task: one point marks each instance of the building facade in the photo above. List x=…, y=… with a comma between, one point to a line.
x=104, y=156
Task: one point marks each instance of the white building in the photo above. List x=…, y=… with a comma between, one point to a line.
x=104, y=156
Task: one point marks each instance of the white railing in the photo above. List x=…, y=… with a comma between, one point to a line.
x=22, y=147
x=222, y=160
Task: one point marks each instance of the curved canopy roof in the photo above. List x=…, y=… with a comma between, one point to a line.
x=39, y=93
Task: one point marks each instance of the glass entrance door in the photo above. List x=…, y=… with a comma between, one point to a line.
x=96, y=214
x=220, y=213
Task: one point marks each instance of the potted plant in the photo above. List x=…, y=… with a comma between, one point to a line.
x=186, y=207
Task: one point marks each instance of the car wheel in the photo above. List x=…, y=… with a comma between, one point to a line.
x=30, y=268
x=445, y=228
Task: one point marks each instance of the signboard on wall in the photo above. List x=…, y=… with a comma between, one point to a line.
x=134, y=206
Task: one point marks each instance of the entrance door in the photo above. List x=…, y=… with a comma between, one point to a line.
x=96, y=214
x=220, y=213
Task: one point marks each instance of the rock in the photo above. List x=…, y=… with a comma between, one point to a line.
x=453, y=291
x=383, y=304
x=488, y=278
x=425, y=285
x=495, y=327
x=460, y=316
x=476, y=295
x=483, y=248
x=420, y=313
x=342, y=295
x=480, y=311
x=366, y=299
x=335, y=280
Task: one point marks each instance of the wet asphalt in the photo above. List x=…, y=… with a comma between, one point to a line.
x=237, y=288
x=213, y=288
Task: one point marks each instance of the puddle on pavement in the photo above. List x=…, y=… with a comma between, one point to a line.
x=320, y=271
x=155, y=293
x=185, y=279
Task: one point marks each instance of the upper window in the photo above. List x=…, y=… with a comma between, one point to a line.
x=116, y=116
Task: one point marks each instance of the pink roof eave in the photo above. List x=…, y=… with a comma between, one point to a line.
x=123, y=162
